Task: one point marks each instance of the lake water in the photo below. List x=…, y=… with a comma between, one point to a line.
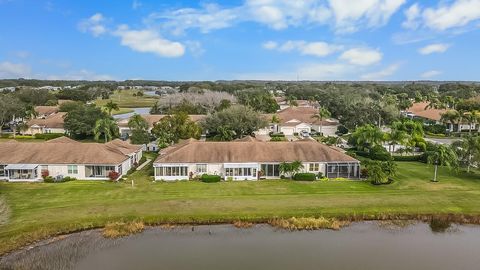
x=365, y=245
x=135, y=111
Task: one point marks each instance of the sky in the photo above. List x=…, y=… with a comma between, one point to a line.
x=237, y=40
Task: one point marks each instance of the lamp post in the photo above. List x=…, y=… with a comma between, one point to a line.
x=435, y=172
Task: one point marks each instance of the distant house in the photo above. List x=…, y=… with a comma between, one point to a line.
x=251, y=160
x=52, y=123
x=284, y=103
x=420, y=110
x=151, y=119
x=45, y=111
x=61, y=157
x=298, y=119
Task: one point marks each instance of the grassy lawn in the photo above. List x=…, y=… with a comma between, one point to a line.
x=122, y=111
x=125, y=99
x=36, y=211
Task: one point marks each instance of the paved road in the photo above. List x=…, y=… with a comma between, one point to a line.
x=447, y=141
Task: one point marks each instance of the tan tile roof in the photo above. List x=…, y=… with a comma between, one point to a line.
x=303, y=114
x=419, y=110
x=252, y=151
x=60, y=152
x=123, y=146
x=46, y=110
x=51, y=121
x=62, y=139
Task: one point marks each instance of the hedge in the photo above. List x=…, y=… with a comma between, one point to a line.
x=419, y=158
x=207, y=178
x=305, y=177
x=48, y=136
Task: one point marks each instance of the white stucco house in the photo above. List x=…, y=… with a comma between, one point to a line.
x=297, y=119
x=61, y=157
x=250, y=160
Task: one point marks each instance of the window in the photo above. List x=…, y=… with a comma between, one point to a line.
x=171, y=171
x=120, y=169
x=314, y=167
x=44, y=168
x=2, y=170
x=72, y=169
x=201, y=168
x=240, y=172
x=271, y=170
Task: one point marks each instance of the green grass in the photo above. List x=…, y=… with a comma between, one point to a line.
x=39, y=210
x=122, y=111
x=125, y=99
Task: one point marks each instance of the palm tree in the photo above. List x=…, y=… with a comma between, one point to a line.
x=137, y=122
x=468, y=150
x=106, y=126
x=397, y=136
x=472, y=117
x=322, y=114
x=290, y=168
x=111, y=106
x=443, y=156
x=368, y=136
x=450, y=117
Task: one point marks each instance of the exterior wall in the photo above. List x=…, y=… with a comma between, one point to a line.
x=219, y=169
x=326, y=130
x=290, y=130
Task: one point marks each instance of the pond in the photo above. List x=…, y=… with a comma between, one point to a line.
x=365, y=245
x=145, y=110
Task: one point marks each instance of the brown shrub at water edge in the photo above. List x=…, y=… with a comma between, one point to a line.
x=121, y=229
x=308, y=223
x=242, y=224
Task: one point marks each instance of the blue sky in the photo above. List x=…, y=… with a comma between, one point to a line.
x=251, y=39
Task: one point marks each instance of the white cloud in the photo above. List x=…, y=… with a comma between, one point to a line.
x=270, y=45
x=10, y=70
x=148, y=41
x=94, y=25
x=446, y=15
x=382, y=74
x=342, y=15
x=136, y=4
x=458, y=13
x=430, y=74
x=80, y=75
x=362, y=56
x=373, y=13
x=195, y=48
x=317, y=48
x=434, y=48
x=209, y=17
x=330, y=71
x=412, y=14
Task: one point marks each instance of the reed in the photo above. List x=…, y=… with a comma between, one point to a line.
x=306, y=223
x=121, y=229
x=242, y=224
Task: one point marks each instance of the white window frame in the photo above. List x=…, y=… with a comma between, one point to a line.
x=201, y=168
x=72, y=169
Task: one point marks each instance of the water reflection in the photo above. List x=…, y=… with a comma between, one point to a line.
x=366, y=245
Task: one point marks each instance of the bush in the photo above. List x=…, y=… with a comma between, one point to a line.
x=48, y=179
x=207, y=178
x=113, y=175
x=276, y=135
x=435, y=129
x=304, y=177
x=319, y=175
x=68, y=179
x=278, y=139
x=379, y=153
x=48, y=136
x=342, y=130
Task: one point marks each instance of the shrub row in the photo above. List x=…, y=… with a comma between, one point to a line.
x=409, y=158
x=305, y=177
x=207, y=178
x=48, y=136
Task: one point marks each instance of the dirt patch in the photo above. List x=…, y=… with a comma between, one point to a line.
x=4, y=211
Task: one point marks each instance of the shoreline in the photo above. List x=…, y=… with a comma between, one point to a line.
x=459, y=219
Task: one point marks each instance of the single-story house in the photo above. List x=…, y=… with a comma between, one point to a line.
x=53, y=123
x=420, y=110
x=283, y=103
x=297, y=119
x=151, y=119
x=61, y=157
x=251, y=160
x=45, y=111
